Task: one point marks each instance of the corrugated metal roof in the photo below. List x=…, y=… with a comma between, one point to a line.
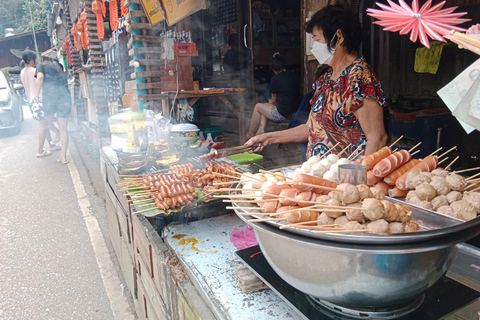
x=24, y=34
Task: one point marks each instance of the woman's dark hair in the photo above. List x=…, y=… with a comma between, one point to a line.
x=277, y=63
x=28, y=55
x=335, y=17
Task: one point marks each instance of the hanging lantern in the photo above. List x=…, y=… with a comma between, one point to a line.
x=74, y=32
x=66, y=46
x=97, y=9
x=83, y=29
x=113, y=7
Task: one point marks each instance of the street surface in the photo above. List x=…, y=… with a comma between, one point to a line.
x=55, y=263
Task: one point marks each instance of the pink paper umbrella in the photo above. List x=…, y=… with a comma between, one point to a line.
x=428, y=21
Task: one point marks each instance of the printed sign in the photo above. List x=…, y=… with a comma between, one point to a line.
x=154, y=11
x=176, y=10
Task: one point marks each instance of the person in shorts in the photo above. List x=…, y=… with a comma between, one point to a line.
x=51, y=80
x=27, y=76
x=285, y=90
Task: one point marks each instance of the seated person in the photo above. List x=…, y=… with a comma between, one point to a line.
x=284, y=87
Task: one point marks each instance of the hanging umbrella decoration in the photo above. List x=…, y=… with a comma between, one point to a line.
x=123, y=9
x=422, y=23
x=76, y=40
x=113, y=7
x=97, y=9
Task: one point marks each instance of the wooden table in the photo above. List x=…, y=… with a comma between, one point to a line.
x=194, y=95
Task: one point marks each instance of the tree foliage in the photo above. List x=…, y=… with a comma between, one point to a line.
x=16, y=14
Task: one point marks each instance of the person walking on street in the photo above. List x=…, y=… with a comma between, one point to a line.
x=27, y=76
x=51, y=80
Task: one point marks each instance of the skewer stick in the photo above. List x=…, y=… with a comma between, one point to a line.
x=326, y=152
x=441, y=161
x=476, y=189
x=358, y=155
x=145, y=210
x=449, y=150
x=273, y=214
x=138, y=198
x=354, y=152
x=344, y=149
x=315, y=221
x=396, y=149
x=341, y=231
x=293, y=225
x=396, y=141
x=450, y=164
x=127, y=175
x=308, y=222
x=238, y=190
x=288, y=198
x=329, y=150
x=415, y=153
x=266, y=219
x=235, y=196
x=235, y=172
x=246, y=208
x=467, y=170
x=136, y=188
x=474, y=180
x=436, y=151
x=474, y=176
x=145, y=204
x=414, y=147
x=316, y=186
x=223, y=183
x=247, y=201
x=236, y=178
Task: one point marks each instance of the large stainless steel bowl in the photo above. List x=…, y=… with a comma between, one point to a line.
x=362, y=275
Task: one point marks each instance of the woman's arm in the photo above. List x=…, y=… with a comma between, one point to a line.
x=38, y=84
x=297, y=134
x=370, y=116
x=273, y=100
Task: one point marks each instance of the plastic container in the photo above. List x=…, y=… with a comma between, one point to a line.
x=214, y=130
x=184, y=131
x=119, y=128
x=247, y=158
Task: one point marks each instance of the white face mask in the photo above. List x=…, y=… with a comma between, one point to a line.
x=321, y=53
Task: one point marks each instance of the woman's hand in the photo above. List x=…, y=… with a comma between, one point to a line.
x=260, y=141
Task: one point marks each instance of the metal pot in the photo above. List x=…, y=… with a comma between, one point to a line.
x=370, y=272
x=355, y=275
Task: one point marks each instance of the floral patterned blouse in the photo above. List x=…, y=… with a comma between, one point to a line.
x=333, y=104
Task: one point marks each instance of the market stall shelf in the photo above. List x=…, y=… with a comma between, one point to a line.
x=194, y=95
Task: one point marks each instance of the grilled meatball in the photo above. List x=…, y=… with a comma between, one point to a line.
x=374, y=209
x=453, y=196
x=396, y=227
x=379, y=226
x=457, y=182
x=425, y=192
x=439, y=201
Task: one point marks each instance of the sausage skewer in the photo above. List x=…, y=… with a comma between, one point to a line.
x=395, y=142
x=467, y=170
x=449, y=150
x=414, y=147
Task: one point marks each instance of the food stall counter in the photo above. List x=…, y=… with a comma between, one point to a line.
x=208, y=257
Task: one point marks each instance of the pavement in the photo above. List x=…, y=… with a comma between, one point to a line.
x=56, y=261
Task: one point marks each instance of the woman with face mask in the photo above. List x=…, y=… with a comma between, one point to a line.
x=347, y=107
